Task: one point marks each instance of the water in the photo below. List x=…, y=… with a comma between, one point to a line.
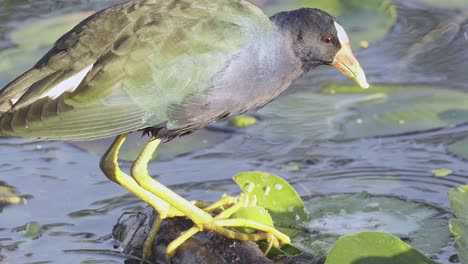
x=306, y=136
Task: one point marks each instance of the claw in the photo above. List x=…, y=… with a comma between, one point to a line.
x=148, y=246
x=168, y=204
x=222, y=222
x=272, y=242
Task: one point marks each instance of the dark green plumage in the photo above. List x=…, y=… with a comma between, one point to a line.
x=169, y=67
x=146, y=57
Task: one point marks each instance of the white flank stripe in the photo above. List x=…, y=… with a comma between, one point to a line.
x=68, y=85
x=342, y=36
x=13, y=101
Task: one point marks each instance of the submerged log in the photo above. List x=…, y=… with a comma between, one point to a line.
x=205, y=247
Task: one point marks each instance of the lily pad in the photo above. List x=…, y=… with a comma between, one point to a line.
x=459, y=148
x=446, y=3
x=379, y=15
x=333, y=216
x=459, y=225
x=255, y=213
x=15, y=61
x=374, y=248
x=392, y=110
x=283, y=120
x=33, y=230
x=243, y=121
x=274, y=194
x=30, y=46
x=8, y=195
x=342, y=112
x=50, y=30
x=440, y=173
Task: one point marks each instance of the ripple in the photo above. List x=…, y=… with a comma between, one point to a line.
x=420, y=224
x=423, y=47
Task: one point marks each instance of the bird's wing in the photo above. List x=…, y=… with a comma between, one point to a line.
x=123, y=68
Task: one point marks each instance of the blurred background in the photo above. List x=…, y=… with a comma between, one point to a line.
x=378, y=159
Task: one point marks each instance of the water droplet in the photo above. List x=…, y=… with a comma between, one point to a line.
x=248, y=187
x=266, y=190
x=278, y=186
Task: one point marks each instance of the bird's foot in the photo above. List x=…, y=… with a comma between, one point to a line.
x=169, y=204
x=169, y=212
x=222, y=224
x=222, y=204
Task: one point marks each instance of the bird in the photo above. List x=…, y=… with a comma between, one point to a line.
x=168, y=68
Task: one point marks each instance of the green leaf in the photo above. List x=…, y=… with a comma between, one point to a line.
x=374, y=248
x=391, y=110
x=342, y=112
x=459, y=225
x=243, y=121
x=272, y=193
x=441, y=173
x=335, y=215
x=31, y=46
x=446, y=3
x=255, y=213
x=285, y=250
x=8, y=195
x=33, y=230
x=50, y=30
x=459, y=148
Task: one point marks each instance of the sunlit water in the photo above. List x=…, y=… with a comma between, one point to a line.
x=305, y=136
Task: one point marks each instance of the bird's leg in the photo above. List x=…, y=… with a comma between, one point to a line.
x=139, y=171
x=225, y=202
x=111, y=169
x=202, y=219
x=226, y=214
x=268, y=236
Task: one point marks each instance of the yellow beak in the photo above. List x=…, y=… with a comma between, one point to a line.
x=347, y=64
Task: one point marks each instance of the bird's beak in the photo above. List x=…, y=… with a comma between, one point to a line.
x=347, y=64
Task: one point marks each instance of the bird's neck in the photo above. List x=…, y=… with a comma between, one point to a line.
x=285, y=36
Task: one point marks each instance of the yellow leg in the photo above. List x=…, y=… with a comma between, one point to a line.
x=109, y=165
x=148, y=246
x=238, y=222
x=224, y=201
x=272, y=240
x=140, y=173
x=172, y=247
x=111, y=169
x=202, y=219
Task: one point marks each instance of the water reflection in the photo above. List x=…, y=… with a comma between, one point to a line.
x=297, y=137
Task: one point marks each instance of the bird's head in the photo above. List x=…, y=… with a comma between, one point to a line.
x=318, y=39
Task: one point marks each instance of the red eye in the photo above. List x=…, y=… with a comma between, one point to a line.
x=328, y=40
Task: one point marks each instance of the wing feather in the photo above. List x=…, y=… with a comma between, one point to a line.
x=146, y=56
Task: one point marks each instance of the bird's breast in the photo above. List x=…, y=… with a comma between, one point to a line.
x=251, y=80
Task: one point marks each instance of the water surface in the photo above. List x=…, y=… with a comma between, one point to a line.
x=310, y=136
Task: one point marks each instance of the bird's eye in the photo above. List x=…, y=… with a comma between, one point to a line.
x=328, y=40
